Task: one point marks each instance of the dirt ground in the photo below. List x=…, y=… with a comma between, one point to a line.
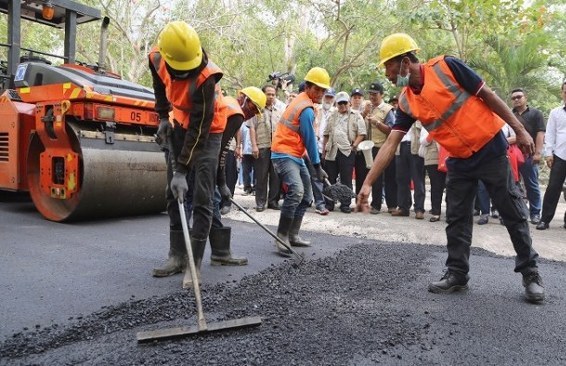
x=492, y=237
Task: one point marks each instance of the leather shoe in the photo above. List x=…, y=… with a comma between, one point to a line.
x=273, y=206
x=419, y=215
x=450, y=282
x=534, y=290
x=542, y=225
x=399, y=212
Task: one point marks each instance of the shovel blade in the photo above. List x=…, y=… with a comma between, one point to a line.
x=178, y=332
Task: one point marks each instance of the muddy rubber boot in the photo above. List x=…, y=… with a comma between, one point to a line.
x=198, y=252
x=283, y=233
x=220, y=244
x=177, y=256
x=294, y=237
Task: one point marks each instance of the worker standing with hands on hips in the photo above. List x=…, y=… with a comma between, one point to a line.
x=184, y=81
x=294, y=137
x=465, y=116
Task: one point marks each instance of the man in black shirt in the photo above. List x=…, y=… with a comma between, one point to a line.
x=533, y=121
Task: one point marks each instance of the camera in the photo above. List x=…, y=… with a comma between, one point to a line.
x=277, y=77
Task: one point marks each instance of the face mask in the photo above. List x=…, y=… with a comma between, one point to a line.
x=402, y=80
x=326, y=106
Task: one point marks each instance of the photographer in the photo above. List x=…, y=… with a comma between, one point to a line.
x=281, y=80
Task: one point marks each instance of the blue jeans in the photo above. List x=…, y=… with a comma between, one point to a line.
x=299, y=189
x=529, y=172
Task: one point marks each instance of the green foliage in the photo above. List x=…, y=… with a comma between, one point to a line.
x=509, y=42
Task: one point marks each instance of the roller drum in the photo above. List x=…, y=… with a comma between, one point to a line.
x=124, y=178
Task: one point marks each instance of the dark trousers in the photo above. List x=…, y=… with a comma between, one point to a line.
x=409, y=167
x=437, y=186
x=343, y=166
x=231, y=175
x=461, y=189
x=203, y=165
x=265, y=177
x=247, y=172
x=361, y=170
x=553, y=190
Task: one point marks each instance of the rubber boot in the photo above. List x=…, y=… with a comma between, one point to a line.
x=294, y=238
x=283, y=234
x=198, y=252
x=220, y=245
x=177, y=256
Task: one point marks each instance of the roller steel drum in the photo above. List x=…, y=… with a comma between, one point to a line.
x=122, y=178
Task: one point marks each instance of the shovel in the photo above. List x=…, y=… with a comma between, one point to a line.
x=202, y=326
x=298, y=257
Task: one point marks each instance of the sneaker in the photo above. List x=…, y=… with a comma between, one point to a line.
x=322, y=211
x=434, y=218
x=450, y=282
x=542, y=225
x=484, y=219
x=374, y=211
x=495, y=213
x=535, y=219
x=534, y=290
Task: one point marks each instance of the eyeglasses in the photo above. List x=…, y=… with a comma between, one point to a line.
x=342, y=103
x=517, y=97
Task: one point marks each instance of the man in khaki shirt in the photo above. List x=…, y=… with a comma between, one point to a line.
x=261, y=132
x=344, y=131
x=379, y=117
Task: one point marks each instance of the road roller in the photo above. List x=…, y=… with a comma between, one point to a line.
x=77, y=137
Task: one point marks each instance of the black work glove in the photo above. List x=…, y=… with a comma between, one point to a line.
x=163, y=132
x=179, y=186
x=320, y=173
x=222, y=186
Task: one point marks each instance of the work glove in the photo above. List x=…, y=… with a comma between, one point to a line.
x=162, y=133
x=221, y=183
x=320, y=173
x=179, y=186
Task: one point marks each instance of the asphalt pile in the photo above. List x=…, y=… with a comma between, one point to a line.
x=366, y=305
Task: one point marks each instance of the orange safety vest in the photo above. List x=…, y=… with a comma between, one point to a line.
x=462, y=123
x=231, y=107
x=287, y=139
x=179, y=92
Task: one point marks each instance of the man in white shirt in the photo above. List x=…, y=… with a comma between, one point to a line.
x=555, y=152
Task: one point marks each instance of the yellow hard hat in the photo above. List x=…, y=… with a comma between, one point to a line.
x=256, y=96
x=318, y=76
x=394, y=45
x=179, y=45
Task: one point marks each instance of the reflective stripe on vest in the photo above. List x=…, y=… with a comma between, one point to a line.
x=287, y=139
x=459, y=121
x=179, y=92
